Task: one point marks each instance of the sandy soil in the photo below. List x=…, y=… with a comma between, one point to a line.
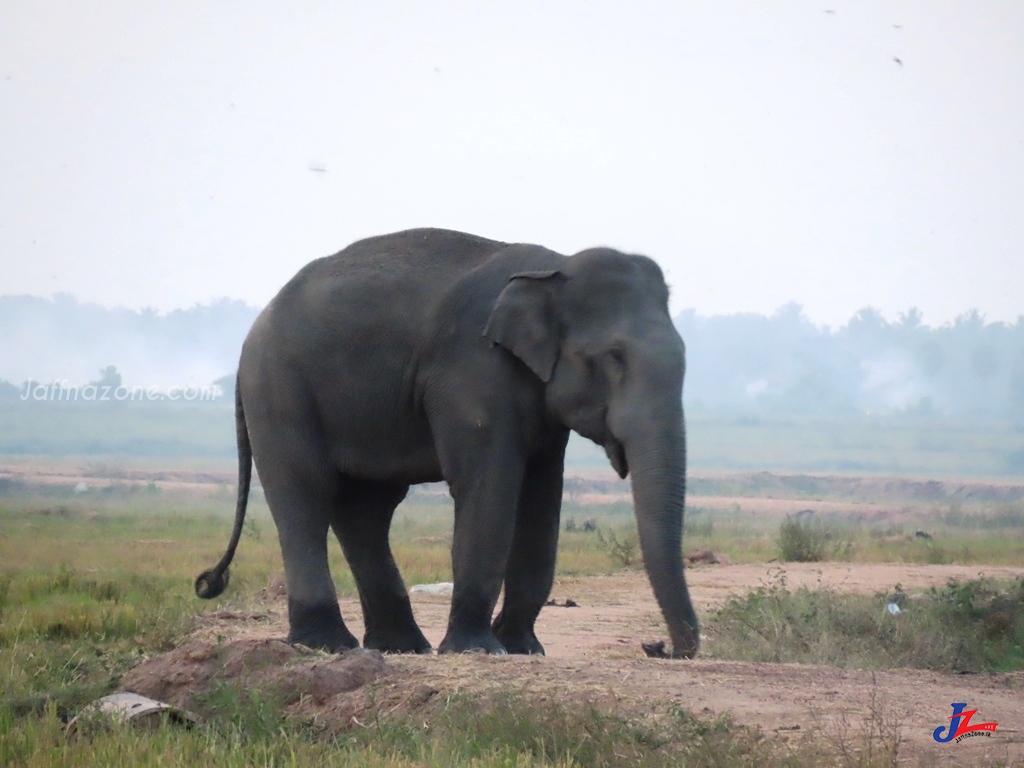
x=594, y=655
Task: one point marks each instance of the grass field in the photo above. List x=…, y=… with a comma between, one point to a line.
x=92, y=583
x=897, y=443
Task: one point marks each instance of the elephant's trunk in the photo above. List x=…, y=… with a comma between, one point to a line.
x=657, y=461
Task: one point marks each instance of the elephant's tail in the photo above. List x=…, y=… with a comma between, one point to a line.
x=211, y=583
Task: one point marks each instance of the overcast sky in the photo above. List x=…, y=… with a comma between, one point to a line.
x=836, y=154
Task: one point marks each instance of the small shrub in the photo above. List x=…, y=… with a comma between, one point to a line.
x=936, y=554
x=624, y=551
x=988, y=619
x=802, y=541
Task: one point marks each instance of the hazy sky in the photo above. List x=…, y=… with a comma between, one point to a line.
x=162, y=153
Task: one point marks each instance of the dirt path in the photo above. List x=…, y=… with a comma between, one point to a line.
x=594, y=654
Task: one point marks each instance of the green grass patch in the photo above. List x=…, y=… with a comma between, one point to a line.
x=506, y=730
x=972, y=626
x=515, y=729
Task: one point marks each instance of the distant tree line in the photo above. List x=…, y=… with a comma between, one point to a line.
x=62, y=339
x=748, y=363
x=786, y=364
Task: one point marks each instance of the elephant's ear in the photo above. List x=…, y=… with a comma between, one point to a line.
x=525, y=322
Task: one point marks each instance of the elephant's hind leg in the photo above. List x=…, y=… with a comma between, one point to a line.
x=361, y=522
x=301, y=493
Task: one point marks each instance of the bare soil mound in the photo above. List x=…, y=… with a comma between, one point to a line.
x=186, y=675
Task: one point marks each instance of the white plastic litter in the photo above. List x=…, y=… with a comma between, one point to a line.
x=441, y=588
x=126, y=707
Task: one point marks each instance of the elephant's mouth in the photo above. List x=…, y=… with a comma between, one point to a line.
x=617, y=456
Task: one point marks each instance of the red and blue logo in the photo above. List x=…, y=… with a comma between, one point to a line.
x=960, y=726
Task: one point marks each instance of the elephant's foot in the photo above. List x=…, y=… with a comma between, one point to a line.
x=517, y=638
x=397, y=642
x=319, y=626
x=469, y=641
x=525, y=643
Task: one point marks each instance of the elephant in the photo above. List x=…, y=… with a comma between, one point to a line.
x=431, y=355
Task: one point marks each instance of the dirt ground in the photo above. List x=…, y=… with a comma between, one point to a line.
x=594, y=655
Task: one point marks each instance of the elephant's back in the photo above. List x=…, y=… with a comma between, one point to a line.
x=400, y=275
x=374, y=299
x=425, y=256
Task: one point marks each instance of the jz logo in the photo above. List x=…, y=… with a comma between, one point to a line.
x=959, y=726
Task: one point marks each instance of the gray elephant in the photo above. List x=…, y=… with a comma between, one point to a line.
x=427, y=355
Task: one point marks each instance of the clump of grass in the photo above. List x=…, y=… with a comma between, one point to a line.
x=66, y=605
x=231, y=709
x=936, y=554
x=802, y=541
x=67, y=636
x=514, y=728
x=969, y=626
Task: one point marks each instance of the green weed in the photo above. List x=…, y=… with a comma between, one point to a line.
x=623, y=549
x=969, y=626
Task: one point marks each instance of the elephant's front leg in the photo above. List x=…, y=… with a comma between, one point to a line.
x=531, y=565
x=485, y=490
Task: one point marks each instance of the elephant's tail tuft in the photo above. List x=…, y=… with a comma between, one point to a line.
x=211, y=583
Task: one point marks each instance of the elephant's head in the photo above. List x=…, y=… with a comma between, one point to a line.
x=598, y=333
